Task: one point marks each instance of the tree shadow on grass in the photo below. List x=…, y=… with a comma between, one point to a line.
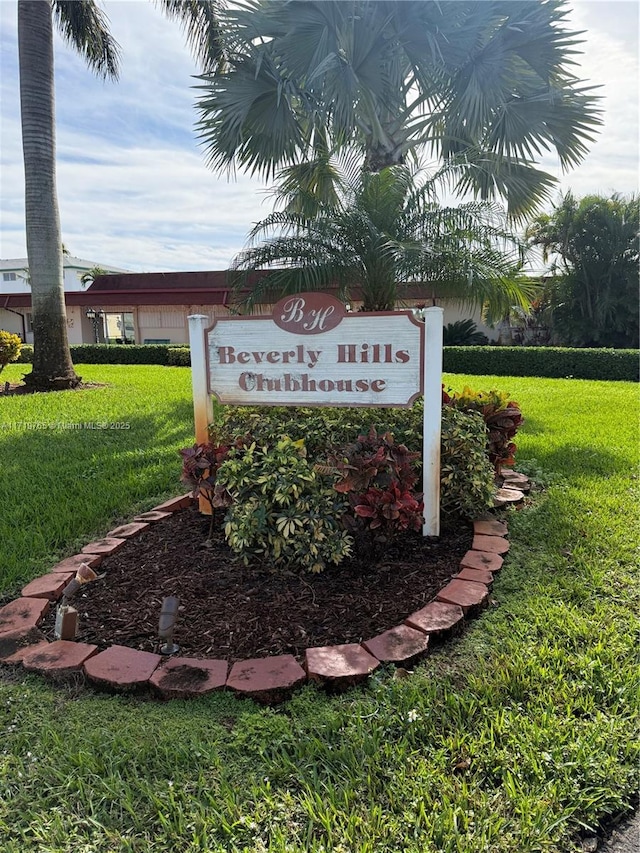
x=62, y=486
x=575, y=461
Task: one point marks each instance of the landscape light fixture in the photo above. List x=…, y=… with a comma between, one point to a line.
x=95, y=315
x=66, y=627
x=166, y=624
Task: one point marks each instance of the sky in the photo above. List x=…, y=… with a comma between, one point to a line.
x=134, y=189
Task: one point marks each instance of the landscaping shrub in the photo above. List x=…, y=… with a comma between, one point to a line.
x=551, y=362
x=502, y=419
x=323, y=429
x=200, y=465
x=10, y=346
x=466, y=475
x=121, y=354
x=26, y=354
x=282, y=509
x=378, y=476
x=179, y=357
x=463, y=333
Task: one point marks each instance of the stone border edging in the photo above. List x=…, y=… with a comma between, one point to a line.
x=266, y=680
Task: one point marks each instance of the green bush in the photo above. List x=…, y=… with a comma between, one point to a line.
x=502, y=419
x=550, y=362
x=122, y=354
x=463, y=443
x=26, y=354
x=463, y=333
x=283, y=510
x=466, y=475
x=179, y=357
x=10, y=346
x=553, y=362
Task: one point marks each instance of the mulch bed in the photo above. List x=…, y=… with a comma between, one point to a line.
x=232, y=611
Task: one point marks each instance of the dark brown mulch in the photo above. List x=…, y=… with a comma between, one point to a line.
x=235, y=612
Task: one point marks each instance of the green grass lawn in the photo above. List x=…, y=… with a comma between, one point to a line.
x=512, y=739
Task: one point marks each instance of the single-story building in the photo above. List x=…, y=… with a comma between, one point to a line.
x=149, y=308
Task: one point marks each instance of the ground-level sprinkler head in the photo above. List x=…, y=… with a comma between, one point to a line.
x=166, y=624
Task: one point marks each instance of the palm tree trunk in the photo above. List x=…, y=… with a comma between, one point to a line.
x=52, y=365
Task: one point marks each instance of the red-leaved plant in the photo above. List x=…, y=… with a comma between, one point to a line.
x=200, y=465
x=378, y=476
x=502, y=418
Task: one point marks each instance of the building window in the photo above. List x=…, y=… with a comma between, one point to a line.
x=9, y=276
x=29, y=321
x=119, y=328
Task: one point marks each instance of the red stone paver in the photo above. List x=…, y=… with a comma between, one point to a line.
x=470, y=596
x=72, y=564
x=22, y=614
x=492, y=544
x=152, y=516
x=180, y=678
x=15, y=659
x=401, y=644
x=18, y=624
x=486, y=527
x=266, y=679
x=59, y=658
x=340, y=665
x=505, y=496
x=437, y=618
x=514, y=479
x=12, y=641
x=482, y=560
x=47, y=586
x=104, y=547
x=128, y=531
x=476, y=575
x=174, y=504
x=121, y=666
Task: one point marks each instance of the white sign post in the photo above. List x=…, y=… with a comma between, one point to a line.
x=432, y=420
x=310, y=352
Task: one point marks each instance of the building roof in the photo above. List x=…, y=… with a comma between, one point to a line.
x=210, y=287
x=68, y=262
x=134, y=289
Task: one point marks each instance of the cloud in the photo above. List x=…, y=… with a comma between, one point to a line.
x=134, y=189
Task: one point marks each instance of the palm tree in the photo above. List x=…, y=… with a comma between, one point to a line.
x=90, y=276
x=85, y=27
x=387, y=237
x=593, y=290
x=485, y=86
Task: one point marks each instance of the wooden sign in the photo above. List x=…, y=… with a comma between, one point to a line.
x=312, y=352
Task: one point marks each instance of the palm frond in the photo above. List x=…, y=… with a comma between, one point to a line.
x=86, y=28
x=199, y=20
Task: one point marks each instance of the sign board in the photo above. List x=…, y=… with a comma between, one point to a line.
x=311, y=352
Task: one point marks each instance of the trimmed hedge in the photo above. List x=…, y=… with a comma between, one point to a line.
x=550, y=362
x=115, y=354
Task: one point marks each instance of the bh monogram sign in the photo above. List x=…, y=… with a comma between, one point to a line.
x=312, y=352
x=308, y=313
